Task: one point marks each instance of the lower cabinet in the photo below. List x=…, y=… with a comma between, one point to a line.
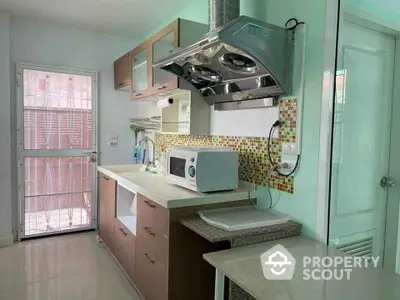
x=118, y=239
x=125, y=248
x=152, y=250
x=106, y=209
x=164, y=260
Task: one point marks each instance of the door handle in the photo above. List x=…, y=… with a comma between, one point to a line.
x=387, y=182
x=92, y=156
x=161, y=87
x=147, y=229
x=90, y=153
x=149, y=204
x=152, y=261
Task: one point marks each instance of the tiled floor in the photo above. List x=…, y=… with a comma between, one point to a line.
x=70, y=267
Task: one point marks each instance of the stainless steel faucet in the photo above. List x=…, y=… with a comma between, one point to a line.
x=151, y=163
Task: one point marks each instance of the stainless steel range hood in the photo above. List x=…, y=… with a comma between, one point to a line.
x=241, y=60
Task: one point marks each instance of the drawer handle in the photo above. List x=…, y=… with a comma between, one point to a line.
x=138, y=94
x=161, y=87
x=150, y=260
x=147, y=229
x=150, y=204
x=123, y=232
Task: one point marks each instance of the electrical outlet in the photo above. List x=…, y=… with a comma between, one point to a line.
x=112, y=144
x=287, y=165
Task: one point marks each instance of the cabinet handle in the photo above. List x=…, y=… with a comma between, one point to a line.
x=161, y=87
x=150, y=260
x=149, y=204
x=147, y=229
x=106, y=178
x=119, y=84
x=138, y=94
x=123, y=232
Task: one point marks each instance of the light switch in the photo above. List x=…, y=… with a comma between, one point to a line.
x=289, y=148
x=113, y=144
x=114, y=136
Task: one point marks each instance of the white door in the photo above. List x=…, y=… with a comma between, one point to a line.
x=57, y=150
x=362, y=136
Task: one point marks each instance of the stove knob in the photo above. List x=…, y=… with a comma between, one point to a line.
x=192, y=171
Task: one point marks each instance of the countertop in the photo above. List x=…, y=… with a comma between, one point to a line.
x=243, y=266
x=214, y=234
x=168, y=195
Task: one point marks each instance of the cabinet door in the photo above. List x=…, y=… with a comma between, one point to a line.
x=106, y=209
x=163, y=43
x=141, y=71
x=122, y=72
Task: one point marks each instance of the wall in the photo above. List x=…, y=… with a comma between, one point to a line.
x=302, y=206
x=5, y=136
x=44, y=43
x=387, y=9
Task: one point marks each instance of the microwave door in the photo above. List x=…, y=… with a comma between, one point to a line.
x=177, y=167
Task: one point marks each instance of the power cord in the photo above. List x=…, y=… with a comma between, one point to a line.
x=274, y=166
x=249, y=195
x=296, y=24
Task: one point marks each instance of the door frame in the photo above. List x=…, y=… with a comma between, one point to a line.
x=364, y=19
x=20, y=66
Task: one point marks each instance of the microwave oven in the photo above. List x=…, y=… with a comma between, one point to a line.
x=203, y=169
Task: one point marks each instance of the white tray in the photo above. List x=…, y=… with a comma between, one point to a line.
x=240, y=218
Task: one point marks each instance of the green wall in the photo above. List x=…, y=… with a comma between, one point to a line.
x=302, y=205
x=387, y=9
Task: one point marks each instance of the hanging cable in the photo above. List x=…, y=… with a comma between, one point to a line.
x=296, y=24
x=275, y=166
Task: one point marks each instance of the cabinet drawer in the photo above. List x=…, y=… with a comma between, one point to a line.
x=126, y=248
x=152, y=215
x=152, y=277
x=153, y=243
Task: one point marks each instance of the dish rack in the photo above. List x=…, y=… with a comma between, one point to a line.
x=147, y=123
x=153, y=123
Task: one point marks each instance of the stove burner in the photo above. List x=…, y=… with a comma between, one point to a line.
x=238, y=63
x=205, y=73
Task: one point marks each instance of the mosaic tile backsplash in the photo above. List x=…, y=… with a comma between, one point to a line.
x=253, y=151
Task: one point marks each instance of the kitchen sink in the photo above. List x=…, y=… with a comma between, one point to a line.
x=125, y=168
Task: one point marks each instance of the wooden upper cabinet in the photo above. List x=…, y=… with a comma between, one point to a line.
x=140, y=71
x=122, y=68
x=163, y=44
x=148, y=81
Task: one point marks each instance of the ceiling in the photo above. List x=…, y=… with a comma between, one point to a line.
x=130, y=18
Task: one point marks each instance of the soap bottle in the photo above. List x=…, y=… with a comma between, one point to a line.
x=138, y=153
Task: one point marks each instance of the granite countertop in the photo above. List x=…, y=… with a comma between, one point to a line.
x=214, y=234
x=168, y=195
x=243, y=266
